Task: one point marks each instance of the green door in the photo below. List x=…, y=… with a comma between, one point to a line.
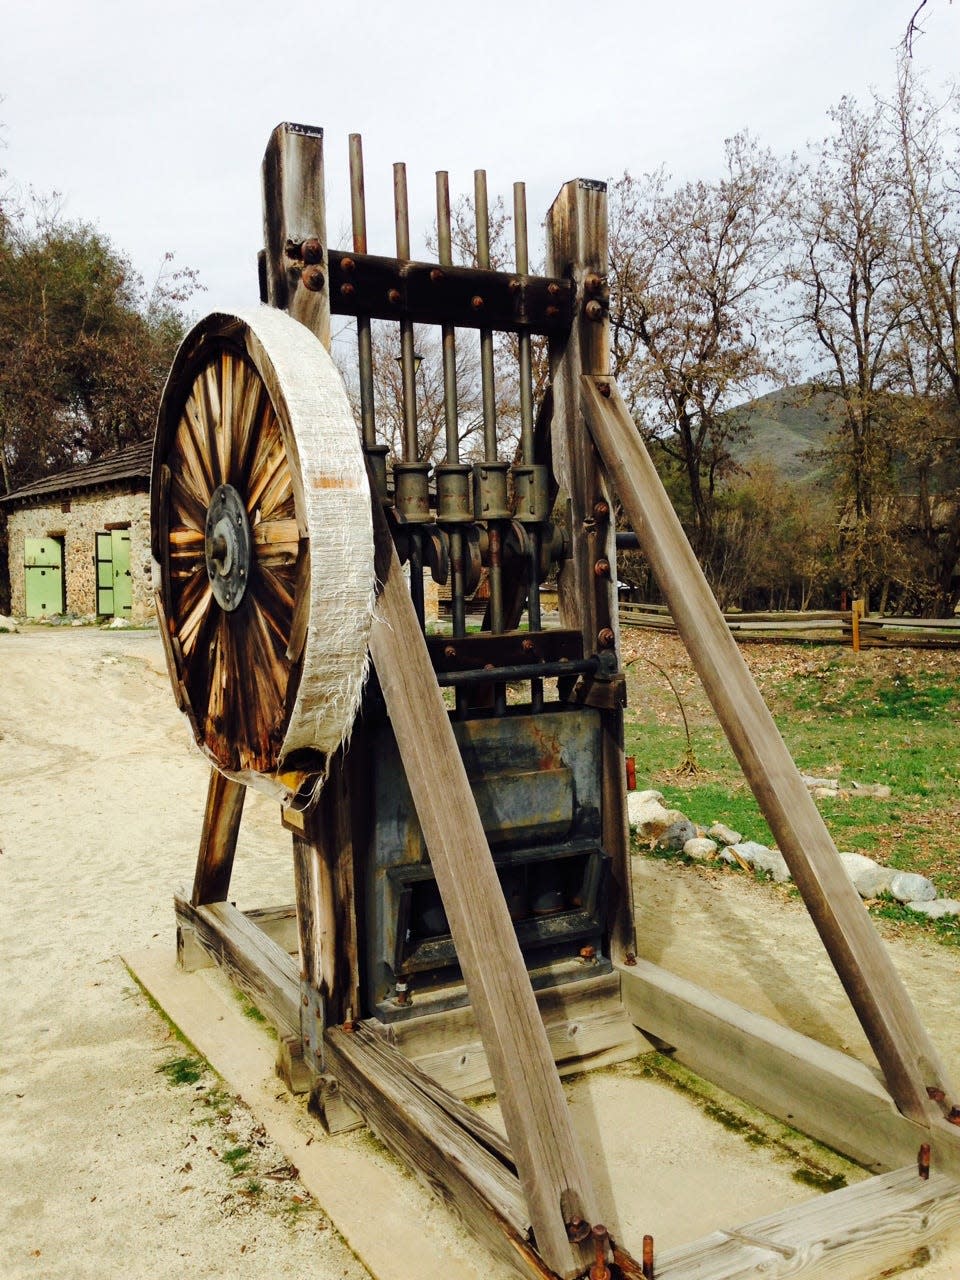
x=43, y=576
x=114, y=587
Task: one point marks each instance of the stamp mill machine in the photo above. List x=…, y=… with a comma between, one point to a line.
x=456, y=796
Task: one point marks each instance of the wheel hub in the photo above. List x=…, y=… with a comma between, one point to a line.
x=227, y=545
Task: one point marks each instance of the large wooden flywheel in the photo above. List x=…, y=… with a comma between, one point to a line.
x=262, y=538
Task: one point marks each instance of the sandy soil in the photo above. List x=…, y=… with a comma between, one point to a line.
x=111, y=1167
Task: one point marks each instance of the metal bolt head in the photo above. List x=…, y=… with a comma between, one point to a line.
x=553, y=288
x=393, y=296
x=312, y=251
x=476, y=302
x=436, y=275
x=577, y=1230
x=313, y=279
x=347, y=290
x=604, y=389
x=593, y=310
x=602, y=568
x=347, y=264
x=606, y=638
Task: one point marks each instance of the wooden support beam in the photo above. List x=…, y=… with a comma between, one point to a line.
x=577, y=249
x=455, y=1153
x=820, y=1091
x=858, y=1233
x=218, y=839
x=251, y=959
x=535, y=1112
x=907, y=1057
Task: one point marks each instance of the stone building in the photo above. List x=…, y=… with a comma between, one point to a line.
x=79, y=541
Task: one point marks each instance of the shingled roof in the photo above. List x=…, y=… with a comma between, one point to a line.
x=110, y=471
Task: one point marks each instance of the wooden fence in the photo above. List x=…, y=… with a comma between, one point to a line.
x=814, y=627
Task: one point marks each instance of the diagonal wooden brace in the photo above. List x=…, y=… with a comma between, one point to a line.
x=908, y=1059
x=551, y=1170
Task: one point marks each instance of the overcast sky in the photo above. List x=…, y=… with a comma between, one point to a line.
x=151, y=118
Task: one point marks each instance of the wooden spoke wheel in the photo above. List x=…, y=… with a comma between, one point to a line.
x=262, y=538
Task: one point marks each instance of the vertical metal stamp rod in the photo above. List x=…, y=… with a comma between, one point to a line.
x=458, y=604
x=488, y=388
x=411, y=452
x=358, y=212
x=526, y=432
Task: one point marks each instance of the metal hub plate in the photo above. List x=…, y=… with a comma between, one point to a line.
x=227, y=546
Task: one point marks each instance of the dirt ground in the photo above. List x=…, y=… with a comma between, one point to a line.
x=118, y=1160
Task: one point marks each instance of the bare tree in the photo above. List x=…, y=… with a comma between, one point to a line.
x=694, y=269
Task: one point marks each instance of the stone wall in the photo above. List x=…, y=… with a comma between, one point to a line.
x=87, y=515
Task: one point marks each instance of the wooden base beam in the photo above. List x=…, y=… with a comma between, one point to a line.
x=858, y=1233
x=826, y=1094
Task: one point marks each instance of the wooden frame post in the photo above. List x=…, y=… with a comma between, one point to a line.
x=577, y=249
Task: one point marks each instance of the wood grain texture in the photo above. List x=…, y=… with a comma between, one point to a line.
x=535, y=1112
x=577, y=248
x=907, y=1057
x=858, y=1233
x=452, y=1151
x=218, y=839
x=824, y=1093
x=252, y=960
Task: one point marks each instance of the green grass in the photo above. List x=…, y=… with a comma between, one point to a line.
x=184, y=1070
x=880, y=717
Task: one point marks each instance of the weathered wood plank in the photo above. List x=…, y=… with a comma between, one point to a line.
x=908, y=1059
x=218, y=839
x=252, y=961
x=853, y=1234
x=586, y=1023
x=535, y=1112
x=427, y=1132
x=576, y=228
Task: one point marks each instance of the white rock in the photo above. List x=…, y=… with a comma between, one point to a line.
x=907, y=886
x=643, y=797
x=700, y=848
x=938, y=909
x=816, y=784
x=724, y=835
x=7, y=624
x=650, y=819
x=869, y=878
x=118, y=624
x=761, y=858
x=879, y=790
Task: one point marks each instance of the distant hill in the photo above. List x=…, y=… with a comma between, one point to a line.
x=783, y=427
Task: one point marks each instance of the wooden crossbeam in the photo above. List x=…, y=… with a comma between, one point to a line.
x=907, y=1057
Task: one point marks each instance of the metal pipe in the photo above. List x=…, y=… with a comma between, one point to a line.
x=458, y=602
x=411, y=452
x=358, y=212
x=486, y=335
x=526, y=431
x=522, y=671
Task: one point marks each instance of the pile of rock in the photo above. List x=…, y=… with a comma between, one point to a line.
x=669, y=830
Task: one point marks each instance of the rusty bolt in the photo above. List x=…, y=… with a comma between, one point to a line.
x=514, y=284
x=923, y=1161
x=604, y=389
x=402, y=993
x=588, y=954
x=449, y=651
x=954, y=1115
x=577, y=1230
x=393, y=296
x=606, y=638
x=593, y=310
x=528, y=646
x=347, y=264
x=648, y=1257
x=600, y=1270
x=935, y=1094
x=476, y=302
x=313, y=279
x=630, y=959
x=602, y=568
x=312, y=251
x=348, y=289
x=436, y=275
x=551, y=312
x=592, y=282
x=601, y=509
x=553, y=288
